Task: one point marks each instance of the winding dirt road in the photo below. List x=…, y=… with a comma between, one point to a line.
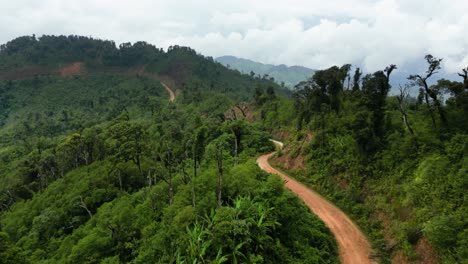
x=353, y=245
x=169, y=91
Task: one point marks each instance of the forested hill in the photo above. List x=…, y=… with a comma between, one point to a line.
x=288, y=75
x=28, y=56
x=98, y=166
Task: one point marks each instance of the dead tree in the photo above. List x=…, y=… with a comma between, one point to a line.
x=402, y=101
x=243, y=108
x=464, y=75
x=84, y=206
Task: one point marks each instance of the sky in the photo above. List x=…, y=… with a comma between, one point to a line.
x=313, y=33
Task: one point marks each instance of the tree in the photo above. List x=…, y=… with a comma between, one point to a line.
x=388, y=71
x=457, y=103
x=464, y=75
x=71, y=152
x=127, y=141
x=9, y=253
x=216, y=149
x=375, y=88
x=259, y=97
x=344, y=75
x=198, y=150
x=237, y=128
x=402, y=105
x=270, y=92
x=431, y=92
x=356, y=78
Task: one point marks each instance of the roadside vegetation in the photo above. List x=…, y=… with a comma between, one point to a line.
x=396, y=164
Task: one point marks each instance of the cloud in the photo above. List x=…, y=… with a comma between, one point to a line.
x=314, y=33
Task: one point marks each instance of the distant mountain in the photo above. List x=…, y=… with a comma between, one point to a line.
x=290, y=75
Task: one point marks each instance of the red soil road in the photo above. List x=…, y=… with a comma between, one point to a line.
x=72, y=69
x=353, y=245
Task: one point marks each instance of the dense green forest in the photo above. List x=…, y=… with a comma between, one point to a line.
x=99, y=166
x=397, y=164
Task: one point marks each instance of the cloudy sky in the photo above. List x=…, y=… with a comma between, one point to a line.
x=313, y=33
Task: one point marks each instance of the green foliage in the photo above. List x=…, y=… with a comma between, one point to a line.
x=9, y=253
x=101, y=168
x=365, y=159
x=59, y=127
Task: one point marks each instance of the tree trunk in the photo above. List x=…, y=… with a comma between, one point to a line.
x=236, y=147
x=219, y=157
x=441, y=111
x=149, y=178
x=192, y=184
x=120, y=181
x=171, y=189
x=138, y=163
x=433, y=95
x=242, y=110
x=171, y=194
x=401, y=106
x=426, y=97
x=405, y=121
x=83, y=205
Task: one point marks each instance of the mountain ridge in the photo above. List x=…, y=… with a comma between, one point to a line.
x=282, y=73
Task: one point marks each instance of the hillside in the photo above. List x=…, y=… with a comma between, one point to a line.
x=100, y=164
x=396, y=165
x=289, y=75
x=97, y=165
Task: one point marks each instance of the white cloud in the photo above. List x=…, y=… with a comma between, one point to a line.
x=314, y=33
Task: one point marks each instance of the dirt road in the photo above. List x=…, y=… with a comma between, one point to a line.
x=141, y=72
x=169, y=91
x=353, y=245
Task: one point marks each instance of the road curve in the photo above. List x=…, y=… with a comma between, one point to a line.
x=169, y=91
x=141, y=72
x=353, y=245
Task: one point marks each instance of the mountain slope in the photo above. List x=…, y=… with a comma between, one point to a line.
x=397, y=166
x=290, y=75
x=99, y=165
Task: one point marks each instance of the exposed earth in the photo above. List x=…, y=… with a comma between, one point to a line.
x=353, y=245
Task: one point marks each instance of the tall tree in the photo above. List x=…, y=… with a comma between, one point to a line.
x=431, y=92
x=356, y=78
x=464, y=75
x=237, y=128
x=198, y=150
x=216, y=148
x=375, y=88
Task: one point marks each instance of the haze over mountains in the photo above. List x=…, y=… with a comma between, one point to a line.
x=290, y=75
